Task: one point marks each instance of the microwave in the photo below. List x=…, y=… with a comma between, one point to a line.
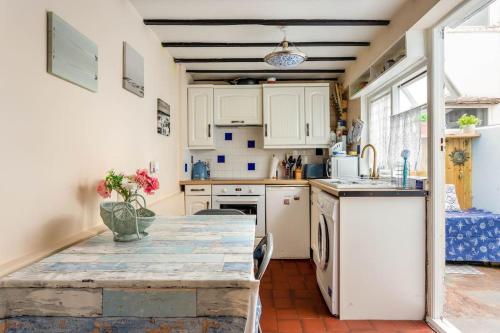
x=342, y=166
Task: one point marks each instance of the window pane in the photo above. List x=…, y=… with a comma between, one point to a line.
x=413, y=94
x=453, y=114
x=379, y=127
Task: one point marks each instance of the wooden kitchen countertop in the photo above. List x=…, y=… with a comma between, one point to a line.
x=246, y=182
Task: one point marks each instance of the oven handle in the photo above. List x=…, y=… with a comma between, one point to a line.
x=237, y=202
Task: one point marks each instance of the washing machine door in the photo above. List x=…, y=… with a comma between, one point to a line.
x=323, y=243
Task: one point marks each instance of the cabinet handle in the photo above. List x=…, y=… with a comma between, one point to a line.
x=237, y=121
x=209, y=130
x=307, y=129
x=197, y=190
x=265, y=130
x=208, y=204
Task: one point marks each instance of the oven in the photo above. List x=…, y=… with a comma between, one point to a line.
x=250, y=199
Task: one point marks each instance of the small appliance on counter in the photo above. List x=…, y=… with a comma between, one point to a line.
x=200, y=171
x=342, y=166
x=314, y=171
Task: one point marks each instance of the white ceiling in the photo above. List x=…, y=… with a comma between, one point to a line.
x=266, y=9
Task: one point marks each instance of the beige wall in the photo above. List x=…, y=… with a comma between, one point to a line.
x=57, y=139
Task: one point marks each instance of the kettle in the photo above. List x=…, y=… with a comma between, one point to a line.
x=199, y=170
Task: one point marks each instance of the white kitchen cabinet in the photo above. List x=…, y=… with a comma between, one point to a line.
x=196, y=203
x=284, y=123
x=317, y=110
x=238, y=105
x=200, y=117
x=296, y=115
x=382, y=258
x=287, y=218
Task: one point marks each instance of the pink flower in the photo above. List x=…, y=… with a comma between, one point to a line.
x=103, y=190
x=146, y=182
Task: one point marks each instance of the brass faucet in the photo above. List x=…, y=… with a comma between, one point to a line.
x=374, y=174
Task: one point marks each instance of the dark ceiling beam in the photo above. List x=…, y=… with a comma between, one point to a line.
x=223, y=60
x=303, y=44
x=279, y=80
x=283, y=22
x=250, y=71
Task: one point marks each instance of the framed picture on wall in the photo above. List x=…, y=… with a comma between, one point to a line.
x=133, y=70
x=163, y=118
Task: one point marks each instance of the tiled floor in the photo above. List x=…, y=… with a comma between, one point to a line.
x=292, y=303
x=473, y=301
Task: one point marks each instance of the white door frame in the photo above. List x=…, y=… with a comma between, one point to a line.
x=436, y=167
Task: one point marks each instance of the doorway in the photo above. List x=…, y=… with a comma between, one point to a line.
x=463, y=236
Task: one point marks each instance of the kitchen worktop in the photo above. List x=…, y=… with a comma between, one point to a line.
x=191, y=273
x=262, y=181
x=372, y=192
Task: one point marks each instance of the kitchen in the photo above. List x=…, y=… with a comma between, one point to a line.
x=203, y=103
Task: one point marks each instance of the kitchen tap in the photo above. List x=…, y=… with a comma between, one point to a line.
x=374, y=173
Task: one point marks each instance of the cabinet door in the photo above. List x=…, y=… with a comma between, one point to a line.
x=200, y=117
x=317, y=106
x=238, y=106
x=196, y=203
x=284, y=116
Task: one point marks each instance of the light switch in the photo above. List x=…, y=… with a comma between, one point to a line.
x=154, y=166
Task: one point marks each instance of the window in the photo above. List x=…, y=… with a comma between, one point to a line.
x=393, y=128
x=379, y=127
x=453, y=114
x=413, y=93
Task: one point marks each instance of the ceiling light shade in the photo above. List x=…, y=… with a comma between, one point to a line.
x=285, y=58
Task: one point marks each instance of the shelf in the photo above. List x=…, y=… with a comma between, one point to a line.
x=462, y=135
x=407, y=52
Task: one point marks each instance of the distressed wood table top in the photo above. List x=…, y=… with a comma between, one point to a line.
x=180, y=252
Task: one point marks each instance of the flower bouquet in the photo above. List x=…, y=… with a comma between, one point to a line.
x=127, y=219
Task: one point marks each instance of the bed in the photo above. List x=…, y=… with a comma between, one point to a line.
x=473, y=235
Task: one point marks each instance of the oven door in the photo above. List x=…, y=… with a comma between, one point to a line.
x=250, y=205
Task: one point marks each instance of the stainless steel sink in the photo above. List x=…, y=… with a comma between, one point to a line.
x=358, y=183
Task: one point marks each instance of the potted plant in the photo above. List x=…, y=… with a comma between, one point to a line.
x=468, y=123
x=127, y=218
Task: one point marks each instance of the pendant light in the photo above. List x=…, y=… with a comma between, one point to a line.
x=286, y=57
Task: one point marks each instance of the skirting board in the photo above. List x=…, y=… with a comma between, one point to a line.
x=26, y=260
x=442, y=326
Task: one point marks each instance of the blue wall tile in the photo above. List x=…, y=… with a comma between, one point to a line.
x=251, y=144
x=221, y=159
x=251, y=166
x=228, y=136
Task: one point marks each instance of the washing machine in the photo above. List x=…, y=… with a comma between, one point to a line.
x=326, y=257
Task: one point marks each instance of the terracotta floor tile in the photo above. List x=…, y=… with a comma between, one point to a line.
x=289, y=326
x=292, y=303
x=283, y=303
x=313, y=325
x=359, y=324
x=270, y=324
x=332, y=324
x=286, y=314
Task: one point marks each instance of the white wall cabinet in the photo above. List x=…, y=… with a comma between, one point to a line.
x=196, y=203
x=284, y=123
x=238, y=105
x=200, y=117
x=317, y=110
x=296, y=115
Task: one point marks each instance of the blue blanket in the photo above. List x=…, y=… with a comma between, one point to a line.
x=473, y=235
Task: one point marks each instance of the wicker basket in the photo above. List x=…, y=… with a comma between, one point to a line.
x=127, y=220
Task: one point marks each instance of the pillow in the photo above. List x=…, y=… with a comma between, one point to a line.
x=451, y=203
